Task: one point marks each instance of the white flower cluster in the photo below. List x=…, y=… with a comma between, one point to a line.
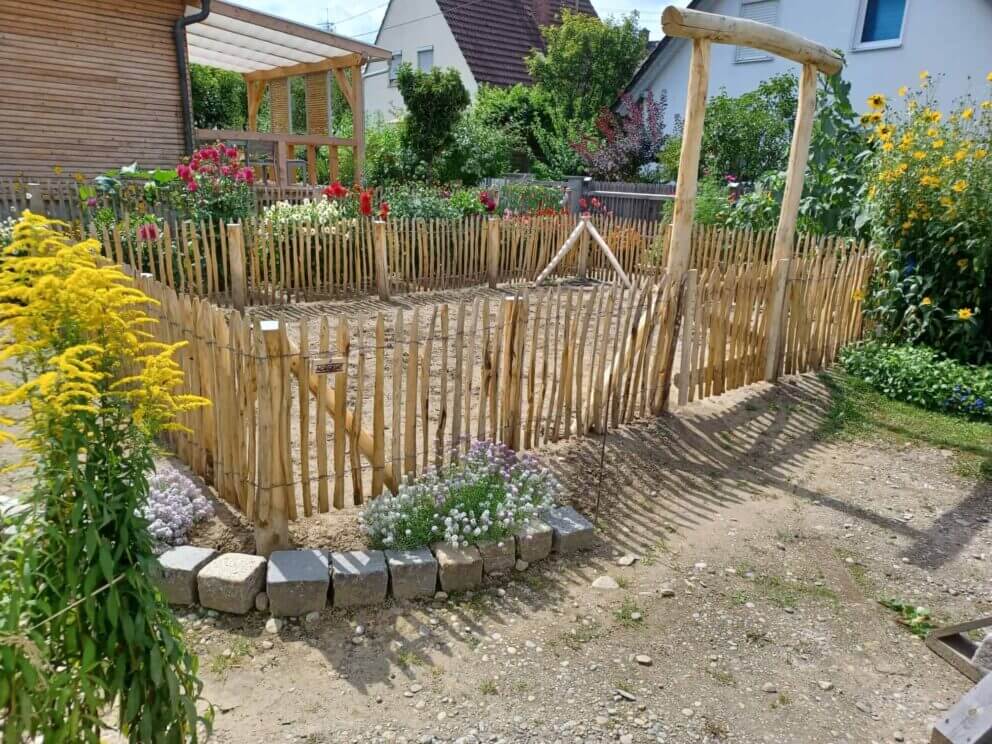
x=175, y=504
x=320, y=214
x=7, y=231
x=490, y=493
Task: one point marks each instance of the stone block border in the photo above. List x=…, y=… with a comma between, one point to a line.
x=299, y=582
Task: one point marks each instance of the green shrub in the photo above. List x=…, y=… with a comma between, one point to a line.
x=712, y=202
x=486, y=496
x=530, y=198
x=922, y=376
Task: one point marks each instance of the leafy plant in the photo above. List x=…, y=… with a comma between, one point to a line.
x=917, y=620
x=487, y=495
x=84, y=633
x=628, y=141
x=923, y=377
x=434, y=101
x=930, y=203
x=530, y=199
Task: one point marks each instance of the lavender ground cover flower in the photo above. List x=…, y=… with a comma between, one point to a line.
x=490, y=493
x=175, y=504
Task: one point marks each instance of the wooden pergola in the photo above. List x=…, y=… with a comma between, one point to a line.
x=268, y=51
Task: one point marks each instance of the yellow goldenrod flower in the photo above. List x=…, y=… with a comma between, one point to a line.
x=980, y=154
x=989, y=77
x=857, y=295
x=907, y=225
x=946, y=201
x=919, y=155
x=876, y=101
x=926, y=301
x=929, y=180
x=962, y=263
x=903, y=90
x=938, y=144
x=924, y=76
x=903, y=168
x=968, y=113
x=960, y=185
x=964, y=313
x=874, y=117
x=960, y=154
x=888, y=146
x=933, y=132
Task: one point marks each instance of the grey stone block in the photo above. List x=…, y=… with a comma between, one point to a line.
x=459, y=569
x=231, y=582
x=498, y=556
x=412, y=573
x=177, y=570
x=359, y=577
x=297, y=582
x=572, y=531
x=534, y=541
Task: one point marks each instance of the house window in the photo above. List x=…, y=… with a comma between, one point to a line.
x=425, y=59
x=394, y=67
x=762, y=11
x=880, y=24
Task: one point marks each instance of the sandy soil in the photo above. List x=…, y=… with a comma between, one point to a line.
x=774, y=547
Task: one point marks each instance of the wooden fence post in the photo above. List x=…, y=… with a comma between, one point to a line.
x=688, y=329
x=381, y=263
x=777, y=319
x=276, y=466
x=582, y=269
x=492, y=251
x=236, y=265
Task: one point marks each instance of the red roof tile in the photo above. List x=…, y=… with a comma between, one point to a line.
x=496, y=35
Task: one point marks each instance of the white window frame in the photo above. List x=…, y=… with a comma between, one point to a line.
x=389, y=68
x=866, y=46
x=737, y=49
x=426, y=49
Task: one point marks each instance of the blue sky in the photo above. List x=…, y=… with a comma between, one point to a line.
x=361, y=18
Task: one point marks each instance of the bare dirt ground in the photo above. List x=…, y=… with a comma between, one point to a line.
x=750, y=614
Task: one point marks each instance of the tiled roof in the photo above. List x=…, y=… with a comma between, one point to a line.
x=496, y=35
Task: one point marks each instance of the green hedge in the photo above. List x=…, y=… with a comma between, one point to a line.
x=923, y=377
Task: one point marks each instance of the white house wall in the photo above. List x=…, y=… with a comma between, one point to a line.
x=948, y=37
x=409, y=26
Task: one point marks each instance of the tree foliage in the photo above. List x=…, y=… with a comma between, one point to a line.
x=586, y=63
x=220, y=98
x=434, y=102
x=745, y=136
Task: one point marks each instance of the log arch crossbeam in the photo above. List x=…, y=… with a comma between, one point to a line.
x=695, y=24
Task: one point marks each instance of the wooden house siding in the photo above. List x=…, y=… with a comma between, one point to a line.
x=88, y=85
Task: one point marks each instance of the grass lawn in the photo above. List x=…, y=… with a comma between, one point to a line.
x=858, y=412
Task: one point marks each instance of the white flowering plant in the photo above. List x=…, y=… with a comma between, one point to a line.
x=175, y=504
x=7, y=231
x=321, y=213
x=488, y=494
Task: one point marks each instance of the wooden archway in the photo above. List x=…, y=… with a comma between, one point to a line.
x=704, y=29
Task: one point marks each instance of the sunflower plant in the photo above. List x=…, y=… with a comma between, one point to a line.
x=930, y=204
x=86, y=641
